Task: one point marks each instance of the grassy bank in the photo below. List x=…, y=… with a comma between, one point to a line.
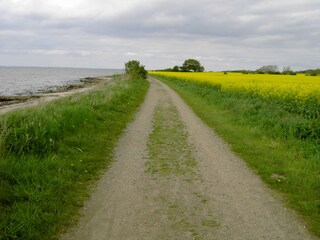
x=52, y=153
x=268, y=137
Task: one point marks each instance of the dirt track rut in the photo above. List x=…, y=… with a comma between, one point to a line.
x=205, y=192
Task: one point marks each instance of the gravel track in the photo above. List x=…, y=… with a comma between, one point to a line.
x=220, y=198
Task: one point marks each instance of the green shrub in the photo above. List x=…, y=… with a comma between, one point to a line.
x=134, y=68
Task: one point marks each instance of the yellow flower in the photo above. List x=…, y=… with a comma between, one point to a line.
x=297, y=88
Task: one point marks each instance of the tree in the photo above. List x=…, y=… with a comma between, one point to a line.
x=176, y=69
x=134, y=68
x=192, y=65
x=268, y=69
x=286, y=69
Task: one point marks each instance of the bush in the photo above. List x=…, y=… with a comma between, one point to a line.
x=134, y=68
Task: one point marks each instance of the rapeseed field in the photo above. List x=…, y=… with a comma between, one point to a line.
x=271, y=121
x=298, y=93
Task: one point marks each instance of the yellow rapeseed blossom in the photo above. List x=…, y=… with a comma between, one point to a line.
x=299, y=88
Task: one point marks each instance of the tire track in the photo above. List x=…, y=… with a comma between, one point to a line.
x=193, y=188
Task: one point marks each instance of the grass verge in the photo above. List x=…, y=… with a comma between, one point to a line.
x=52, y=153
x=257, y=131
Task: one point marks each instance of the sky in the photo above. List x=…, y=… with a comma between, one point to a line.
x=221, y=34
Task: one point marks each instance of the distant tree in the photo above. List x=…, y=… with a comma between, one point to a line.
x=167, y=70
x=314, y=72
x=311, y=72
x=287, y=71
x=176, y=69
x=268, y=69
x=192, y=65
x=134, y=68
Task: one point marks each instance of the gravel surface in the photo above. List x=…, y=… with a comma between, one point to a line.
x=217, y=198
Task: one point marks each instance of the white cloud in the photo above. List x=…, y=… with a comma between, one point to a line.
x=160, y=33
x=70, y=8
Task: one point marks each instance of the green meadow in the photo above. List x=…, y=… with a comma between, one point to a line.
x=51, y=154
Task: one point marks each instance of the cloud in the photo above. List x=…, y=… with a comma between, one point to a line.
x=160, y=33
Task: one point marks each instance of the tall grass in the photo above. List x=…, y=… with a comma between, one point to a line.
x=280, y=145
x=49, y=155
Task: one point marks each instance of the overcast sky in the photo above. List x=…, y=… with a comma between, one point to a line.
x=221, y=34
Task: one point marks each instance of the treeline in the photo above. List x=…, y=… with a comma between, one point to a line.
x=192, y=65
x=311, y=72
x=189, y=65
x=274, y=69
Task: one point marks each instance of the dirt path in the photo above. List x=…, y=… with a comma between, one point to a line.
x=173, y=178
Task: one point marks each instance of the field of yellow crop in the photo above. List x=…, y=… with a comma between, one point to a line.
x=299, y=90
x=299, y=87
x=271, y=121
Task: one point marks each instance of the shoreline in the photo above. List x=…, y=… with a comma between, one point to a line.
x=10, y=103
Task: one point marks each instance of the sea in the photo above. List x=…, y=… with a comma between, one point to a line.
x=16, y=81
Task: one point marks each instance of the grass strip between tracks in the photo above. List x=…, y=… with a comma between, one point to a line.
x=51, y=154
x=255, y=130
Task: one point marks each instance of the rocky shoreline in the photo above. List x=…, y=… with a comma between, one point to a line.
x=8, y=103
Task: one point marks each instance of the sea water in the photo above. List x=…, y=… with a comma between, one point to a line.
x=32, y=80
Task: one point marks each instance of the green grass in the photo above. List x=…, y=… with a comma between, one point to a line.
x=268, y=137
x=51, y=154
x=168, y=149
x=171, y=160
